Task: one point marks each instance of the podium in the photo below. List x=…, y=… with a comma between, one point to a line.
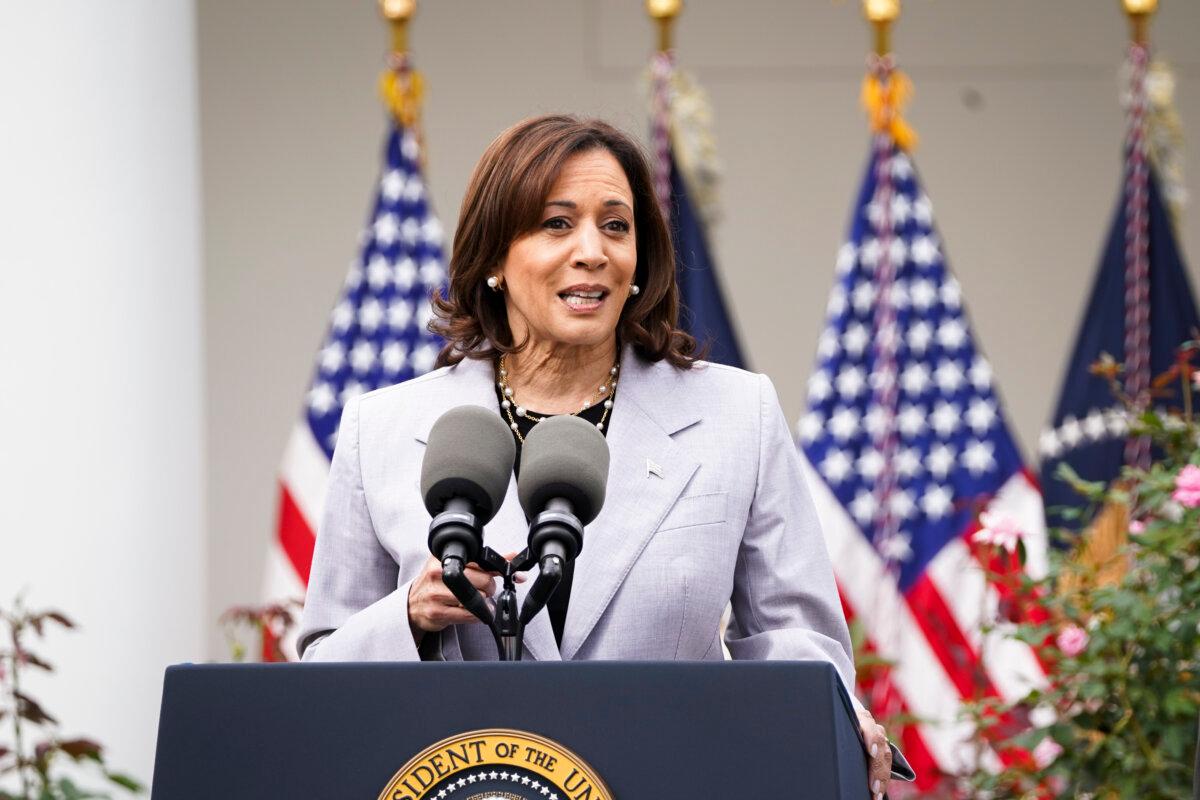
x=491, y=731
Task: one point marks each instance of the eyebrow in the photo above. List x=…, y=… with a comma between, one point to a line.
x=572, y=204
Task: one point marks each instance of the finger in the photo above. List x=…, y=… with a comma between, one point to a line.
x=433, y=570
x=453, y=616
x=441, y=596
x=446, y=599
x=434, y=617
x=475, y=568
x=881, y=767
x=482, y=581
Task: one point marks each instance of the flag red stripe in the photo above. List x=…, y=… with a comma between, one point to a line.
x=949, y=644
x=912, y=744
x=295, y=535
x=958, y=658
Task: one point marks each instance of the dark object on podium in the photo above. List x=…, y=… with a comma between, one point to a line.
x=645, y=729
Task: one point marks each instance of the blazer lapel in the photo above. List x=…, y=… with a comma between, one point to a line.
x=471, y=383
x=647, y=473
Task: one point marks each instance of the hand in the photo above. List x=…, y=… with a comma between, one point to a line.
x=431, y=604
x=880, y=768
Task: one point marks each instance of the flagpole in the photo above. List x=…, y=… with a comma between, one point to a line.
x=1140, y=12
x=882, y=14
x=398, y=13
x=662, y=68
x=665, y=12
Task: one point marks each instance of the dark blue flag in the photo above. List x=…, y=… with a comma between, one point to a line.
x=704, y=314
x=1089, y=426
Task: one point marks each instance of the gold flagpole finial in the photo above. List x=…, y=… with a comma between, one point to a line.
x=1140, y=12
x=664, y=13
x=400, y=85
x=398, y=13
x=882, y=14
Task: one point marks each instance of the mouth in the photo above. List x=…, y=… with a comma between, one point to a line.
x=583, y=299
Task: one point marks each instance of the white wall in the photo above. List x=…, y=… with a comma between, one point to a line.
x=101, y=483
x=1016, y=105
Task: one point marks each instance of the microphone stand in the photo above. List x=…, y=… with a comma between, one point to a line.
x=506, y=624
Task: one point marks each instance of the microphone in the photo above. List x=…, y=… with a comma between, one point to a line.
x=464, y=476
x=564, y=475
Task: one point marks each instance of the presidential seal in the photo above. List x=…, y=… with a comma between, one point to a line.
x=496, y=764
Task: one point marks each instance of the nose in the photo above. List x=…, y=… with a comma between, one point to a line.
x=589, y=248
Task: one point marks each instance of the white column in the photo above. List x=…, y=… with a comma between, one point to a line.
x=101, y=453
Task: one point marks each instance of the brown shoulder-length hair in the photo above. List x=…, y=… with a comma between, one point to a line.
x=505, y=199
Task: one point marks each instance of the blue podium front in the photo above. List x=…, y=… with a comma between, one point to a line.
x=508, y=731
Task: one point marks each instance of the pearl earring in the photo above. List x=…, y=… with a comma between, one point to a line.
x=634, y=288
x=493, y=283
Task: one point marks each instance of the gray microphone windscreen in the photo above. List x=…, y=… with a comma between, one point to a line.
x=566, y=457
x=469, y=454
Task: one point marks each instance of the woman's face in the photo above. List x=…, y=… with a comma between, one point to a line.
x=566, y=281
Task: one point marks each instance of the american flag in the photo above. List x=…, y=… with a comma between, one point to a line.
x=377, y=336
x=905, y=443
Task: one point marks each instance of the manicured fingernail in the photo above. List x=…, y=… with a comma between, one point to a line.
x=874, y=752
x=875, y=786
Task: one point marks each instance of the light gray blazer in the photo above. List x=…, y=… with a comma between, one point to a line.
x=706, y=505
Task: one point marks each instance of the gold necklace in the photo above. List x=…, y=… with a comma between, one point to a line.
x=510, y=406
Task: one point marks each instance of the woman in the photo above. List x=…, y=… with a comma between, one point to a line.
x=563, y=300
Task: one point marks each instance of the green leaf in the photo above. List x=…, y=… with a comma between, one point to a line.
x=1091, y=489
x=125, y=781
x=72, y=792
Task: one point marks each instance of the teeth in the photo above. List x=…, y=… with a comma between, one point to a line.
x=581, y=298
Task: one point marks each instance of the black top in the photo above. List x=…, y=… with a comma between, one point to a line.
x=557, y=605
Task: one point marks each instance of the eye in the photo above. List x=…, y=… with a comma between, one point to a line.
x=556, y=224
x=619, y=225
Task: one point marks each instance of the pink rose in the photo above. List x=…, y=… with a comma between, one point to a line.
x=1072, y=640
x=1000, y=530
x=1137, y=527
x=1046, y=752
x=1187, y=487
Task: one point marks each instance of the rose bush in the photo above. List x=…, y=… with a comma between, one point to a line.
x=1118, y=718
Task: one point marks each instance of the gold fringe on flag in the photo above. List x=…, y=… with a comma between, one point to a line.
x=402, y=91
x=692, y=141
x=1164, y=131
x=884, y=98
x=401, y=87
x=1101, y=552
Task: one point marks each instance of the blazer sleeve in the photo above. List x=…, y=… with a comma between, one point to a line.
x=785, y=601
x=353, y=610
